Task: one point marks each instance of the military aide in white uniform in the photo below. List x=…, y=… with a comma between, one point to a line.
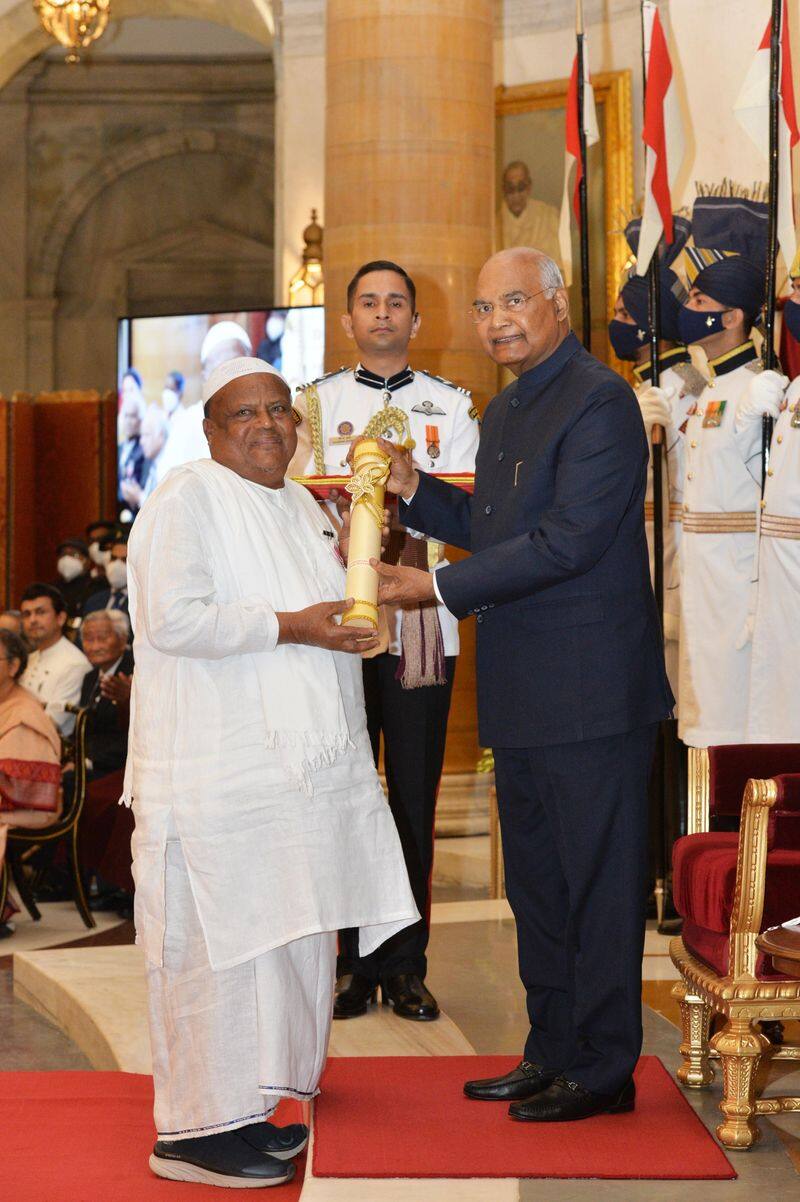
x=774, y=715
x=668, y=405
x=410, y=713
x=726, y=268
x=261, y=825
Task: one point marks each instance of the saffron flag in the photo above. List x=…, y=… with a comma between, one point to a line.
x=752, y=112
x=663, y=138
x=573, y=157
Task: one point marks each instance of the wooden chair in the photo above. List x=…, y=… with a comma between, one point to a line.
x=65, y=829
x=755, y=878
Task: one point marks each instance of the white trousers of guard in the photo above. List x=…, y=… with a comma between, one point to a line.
x=228, y=1045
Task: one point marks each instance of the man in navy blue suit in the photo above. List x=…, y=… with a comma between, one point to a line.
x=570, y=675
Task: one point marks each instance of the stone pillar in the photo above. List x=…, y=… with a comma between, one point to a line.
x=409, y=176
x=409, y=166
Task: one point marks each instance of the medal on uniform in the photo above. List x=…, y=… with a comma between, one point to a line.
x=713, y=415
x=432, y=439
x=344, y=433
x=795, y=421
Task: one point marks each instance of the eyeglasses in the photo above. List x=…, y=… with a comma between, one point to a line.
x=516, y=303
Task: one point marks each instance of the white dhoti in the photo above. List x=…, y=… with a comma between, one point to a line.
x=228, y=1045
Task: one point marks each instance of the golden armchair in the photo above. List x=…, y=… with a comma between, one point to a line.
x=745, y=994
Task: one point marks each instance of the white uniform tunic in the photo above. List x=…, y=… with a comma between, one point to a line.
x=444, y=426
x=678, y=373
x=255, y=756
x=721, y=494
x=774, y=715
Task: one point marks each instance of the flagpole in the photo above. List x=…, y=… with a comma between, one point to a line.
x=768, y=353
x=657, y=454
x=583, y=207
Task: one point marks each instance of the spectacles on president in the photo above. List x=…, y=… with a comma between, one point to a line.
x=514, y=302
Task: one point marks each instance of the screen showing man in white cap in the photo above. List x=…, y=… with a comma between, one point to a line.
x=261, y=826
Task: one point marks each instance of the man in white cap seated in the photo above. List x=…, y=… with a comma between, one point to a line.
x=261, y=826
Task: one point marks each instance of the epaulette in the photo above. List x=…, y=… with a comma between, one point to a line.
x=322, y=379
x=441, y=380
x=693, y=379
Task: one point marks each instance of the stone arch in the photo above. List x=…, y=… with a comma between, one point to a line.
x=23, y=39
x=117, y=164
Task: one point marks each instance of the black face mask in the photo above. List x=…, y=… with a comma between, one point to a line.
x=693, y=324
x=791, y=317
x=626, y=339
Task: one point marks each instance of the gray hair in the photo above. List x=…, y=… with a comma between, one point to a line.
x=118, y=620
x=550, y=275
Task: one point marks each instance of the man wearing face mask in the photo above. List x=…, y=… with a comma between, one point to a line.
x=172, y=393
x=726, y=269
x=98, y=538
x=774, y=709
x=115, y=596
x=75, y=580
x=668, y=405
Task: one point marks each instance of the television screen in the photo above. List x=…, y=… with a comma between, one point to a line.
x=162, y=362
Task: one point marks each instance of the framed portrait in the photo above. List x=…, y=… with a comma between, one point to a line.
x=530, y=183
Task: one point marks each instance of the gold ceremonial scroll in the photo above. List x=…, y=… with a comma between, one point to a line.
x=367, y=487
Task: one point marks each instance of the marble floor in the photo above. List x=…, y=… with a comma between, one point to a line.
x=95, y=995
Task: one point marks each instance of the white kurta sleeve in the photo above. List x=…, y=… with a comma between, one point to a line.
x=178, y=604
x=70, y=680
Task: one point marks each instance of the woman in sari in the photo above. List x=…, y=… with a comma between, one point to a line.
x=30, y=756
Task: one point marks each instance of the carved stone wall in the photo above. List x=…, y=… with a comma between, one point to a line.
x=134, y=187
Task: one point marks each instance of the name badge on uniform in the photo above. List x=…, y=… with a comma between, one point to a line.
x=795, y=419
x=713, y=415
x=344, y=433
x=432, y=439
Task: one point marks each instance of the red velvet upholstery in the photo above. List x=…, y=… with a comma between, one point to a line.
x=704, y=879
x=732, y=766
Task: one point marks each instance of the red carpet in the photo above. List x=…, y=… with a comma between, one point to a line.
x=407, y=1117
x=86, y=1137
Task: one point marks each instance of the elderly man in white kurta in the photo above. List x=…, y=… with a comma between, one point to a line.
x=261, y=826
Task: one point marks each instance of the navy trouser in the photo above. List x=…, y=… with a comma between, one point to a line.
x=413, y=723
x=574, y=822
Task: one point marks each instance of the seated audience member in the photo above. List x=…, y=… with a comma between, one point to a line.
x=11, y=619
x=98, y=538
x=105, y=827
x=30, y=756
x=75, y=580
x=172, y=393
x=155, y=431
x=115, y=596
x=56, y=667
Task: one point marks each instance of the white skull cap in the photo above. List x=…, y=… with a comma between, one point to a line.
x=234, y=369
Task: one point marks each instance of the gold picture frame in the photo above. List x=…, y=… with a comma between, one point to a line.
x=612, y=91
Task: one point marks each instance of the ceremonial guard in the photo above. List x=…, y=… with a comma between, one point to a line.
x=408, y=684
x=774, y=712
x=668, y=405
x=726, y=270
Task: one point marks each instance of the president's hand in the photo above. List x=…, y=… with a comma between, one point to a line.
x=399, y=585
x=315, y=627
x=403, y=476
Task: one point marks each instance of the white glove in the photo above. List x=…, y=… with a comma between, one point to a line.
x=656, y=407
x=763, y=396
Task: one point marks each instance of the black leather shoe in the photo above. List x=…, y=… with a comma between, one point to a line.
x=565, y=1101
x=353, y=994
x=224, y=1159
x=522, y=1082
x=409, y=998
x=281, y=1142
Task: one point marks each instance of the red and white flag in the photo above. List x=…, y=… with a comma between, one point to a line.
x=663, y=138
x=752, y=112
x=573, y=158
